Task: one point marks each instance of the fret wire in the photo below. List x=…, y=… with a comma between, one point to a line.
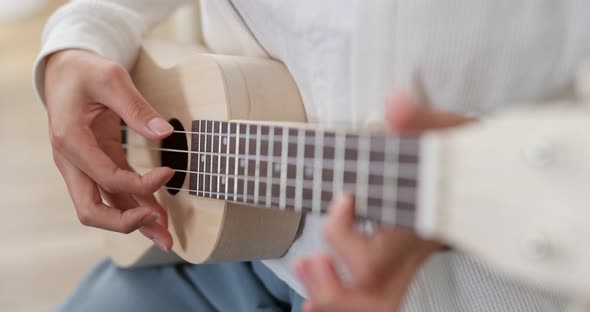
x=317, y=173
x=204, y=162
x=390, y=179
x=290, y=202
x=300, y=162
x=257, y=165
x=198, y=157
x=407, y=170
x=236, y=161
x=269, y=165
x=328, y=141
x=299, y=170
x=407, y=193
x=211, y=158
x=362, y=176
x=206, y=147
x=247, y=153
x=409, y=153
x=338, y=167
x=218, y=157
x=226, y=147
x=325, y=204
x=284, y=152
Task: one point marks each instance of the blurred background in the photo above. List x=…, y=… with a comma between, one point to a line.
x=44, y=251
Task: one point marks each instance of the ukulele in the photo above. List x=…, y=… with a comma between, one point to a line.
x=248, y=165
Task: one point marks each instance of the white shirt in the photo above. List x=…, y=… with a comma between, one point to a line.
x=464, y=56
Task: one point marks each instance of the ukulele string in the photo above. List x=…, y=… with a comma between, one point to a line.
x=291, y=139
x=409, y=169
x=325, y=204
x=404, y=170
x=405, y=194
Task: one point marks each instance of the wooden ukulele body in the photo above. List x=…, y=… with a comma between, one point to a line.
x=186, y=84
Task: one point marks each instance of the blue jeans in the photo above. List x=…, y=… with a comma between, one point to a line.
x=235, y=286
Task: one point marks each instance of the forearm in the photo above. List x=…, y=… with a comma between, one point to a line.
x=109, y=28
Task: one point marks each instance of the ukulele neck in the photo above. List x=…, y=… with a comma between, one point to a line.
x=302, y=168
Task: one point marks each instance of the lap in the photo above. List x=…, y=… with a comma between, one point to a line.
x=236, y=286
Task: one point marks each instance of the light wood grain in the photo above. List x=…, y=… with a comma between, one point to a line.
x=184, y=83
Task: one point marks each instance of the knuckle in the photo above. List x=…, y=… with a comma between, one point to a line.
x=116, y=181
x=138, y=110
x=85, y=216
x=107, y=186
x=147, y=183
x=57, y=160
x=331, y=233
x=106, y=182
x=57, y=136
x=127, y=228
x=112, y=73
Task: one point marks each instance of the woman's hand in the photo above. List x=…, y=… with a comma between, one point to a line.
x=381, y=265
x=86, y=96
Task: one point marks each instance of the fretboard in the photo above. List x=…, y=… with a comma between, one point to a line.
x=302, y=169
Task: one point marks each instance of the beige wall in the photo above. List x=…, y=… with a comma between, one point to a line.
x=44, y=250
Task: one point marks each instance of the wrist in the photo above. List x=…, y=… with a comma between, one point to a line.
x=60, y=58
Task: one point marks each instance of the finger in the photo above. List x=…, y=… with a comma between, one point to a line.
x=341, y=233
x=155, y=231
x=150, y=201
x=325, y=289
x=405, y=116
x=114, y=150
x=128, y=103
x=323, y=286
x=309, y=307
x=367, y=258
x=158, y=230
x=90, y=208
x=386, y=248
x=82, y=149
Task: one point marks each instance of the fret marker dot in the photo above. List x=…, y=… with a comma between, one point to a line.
x=222, y=180
x=277, y=167
x=224, y=140
x=203, y=159
x=242, y=163
x=308, y=171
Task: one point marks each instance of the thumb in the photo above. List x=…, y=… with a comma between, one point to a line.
x=406, y=116
x=327, y=292
x=125, y=100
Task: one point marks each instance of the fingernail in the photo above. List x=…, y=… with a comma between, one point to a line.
x=160, y=245
x=160, y=126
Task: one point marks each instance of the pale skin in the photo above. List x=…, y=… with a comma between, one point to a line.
x=87, y=96
x=382, y=265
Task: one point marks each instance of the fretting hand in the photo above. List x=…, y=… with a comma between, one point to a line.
x=381, y=265
x=86, y=96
